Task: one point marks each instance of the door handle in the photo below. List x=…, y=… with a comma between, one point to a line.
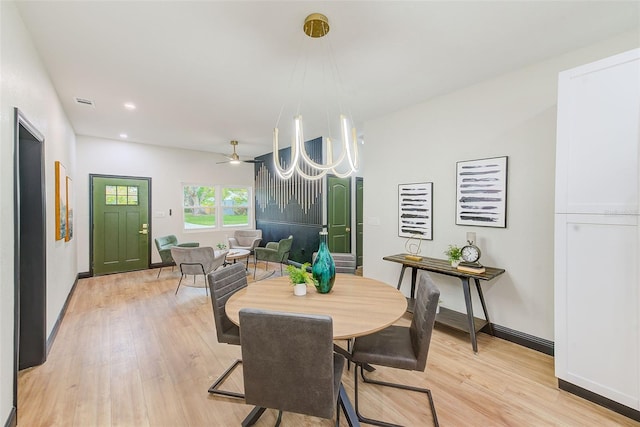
x=143, y=231
x=347, y=229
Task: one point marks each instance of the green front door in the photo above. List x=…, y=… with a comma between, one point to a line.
x=120, y=218
x=339, y=214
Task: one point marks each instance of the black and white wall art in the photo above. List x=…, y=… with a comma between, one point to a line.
x=482, y=192
x=415, y=210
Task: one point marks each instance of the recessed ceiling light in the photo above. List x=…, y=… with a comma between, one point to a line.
x=129, y=105
x=124, y=136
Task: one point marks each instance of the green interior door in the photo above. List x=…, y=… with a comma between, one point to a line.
x=339, y=214
x=359, y=219
x=120, y=219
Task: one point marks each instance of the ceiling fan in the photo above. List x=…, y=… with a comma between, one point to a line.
x=234, y=158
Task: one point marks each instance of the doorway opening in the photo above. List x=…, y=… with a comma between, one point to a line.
x=30, y=269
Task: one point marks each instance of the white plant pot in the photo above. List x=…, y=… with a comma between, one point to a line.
x=300, y=289
x=455, y=263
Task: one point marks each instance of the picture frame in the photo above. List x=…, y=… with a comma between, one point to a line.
x=69, y=211
x=61, y=200
x=481, y=192
x=415, y=210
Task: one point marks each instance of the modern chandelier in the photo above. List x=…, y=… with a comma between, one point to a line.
x=316, y=26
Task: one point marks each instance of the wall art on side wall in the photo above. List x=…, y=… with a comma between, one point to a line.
x=481, y=197
x=61, y=201
x=69, y=204
x=415, y=210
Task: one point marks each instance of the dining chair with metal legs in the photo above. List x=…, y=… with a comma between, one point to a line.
x=289, y=364
x=400, y=347
x=224, y=283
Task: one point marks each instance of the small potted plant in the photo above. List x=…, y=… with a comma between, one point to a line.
x=221, y=246
x=299, y=277
x=453, y=254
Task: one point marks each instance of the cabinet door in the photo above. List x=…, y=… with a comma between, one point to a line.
x=597, y=305
x=598, y=133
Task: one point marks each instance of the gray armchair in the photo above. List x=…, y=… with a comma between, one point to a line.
x=164, y=245
x=305, y=381
x=195, y=261
x=245, y=239
x=400, y=347
x=273, y=251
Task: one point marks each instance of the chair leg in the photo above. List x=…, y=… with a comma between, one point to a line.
x=181, y=276
x=159, y=271
x=394, y=385
x=253, y=416
x=214, y=387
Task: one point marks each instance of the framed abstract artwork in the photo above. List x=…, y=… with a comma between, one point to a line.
x=481, y=195
x=415, y=210
x=69, y=204
x=61, y=201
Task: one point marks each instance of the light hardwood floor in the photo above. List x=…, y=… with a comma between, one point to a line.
x=130, y=353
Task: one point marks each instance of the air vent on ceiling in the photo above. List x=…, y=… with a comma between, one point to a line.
x=84, y=101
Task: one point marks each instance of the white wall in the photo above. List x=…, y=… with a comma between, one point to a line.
x=168, y=168
x=25, y=84
x=513, y=115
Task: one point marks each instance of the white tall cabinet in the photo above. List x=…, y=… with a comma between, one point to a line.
x=597, y=229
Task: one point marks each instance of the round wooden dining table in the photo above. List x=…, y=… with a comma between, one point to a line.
x=358, y=305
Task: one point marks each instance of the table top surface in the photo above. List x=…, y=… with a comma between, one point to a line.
x=443, y=266
x=237, y=253
x=358, y=305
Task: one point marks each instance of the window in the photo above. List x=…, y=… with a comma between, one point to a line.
x=121, y=195
x=199, y=204
x=210, y=207
x=235, y=206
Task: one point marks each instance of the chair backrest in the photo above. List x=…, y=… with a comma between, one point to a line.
x=247, y=237
x=288, y=362
x=424, y=316
x=284, y=247
x=345, y=262
x=223, y=283
x=164, y=245
x=197, y=260
x=166, y=242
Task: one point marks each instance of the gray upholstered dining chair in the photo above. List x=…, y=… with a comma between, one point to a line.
x=304, y=381
x=400, y=347
x=195, y=261
x=224, y=283
x=345, y=262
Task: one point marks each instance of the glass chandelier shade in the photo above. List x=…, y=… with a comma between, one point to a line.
x=347, y=162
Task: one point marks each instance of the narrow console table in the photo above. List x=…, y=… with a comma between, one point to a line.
x=467, y=323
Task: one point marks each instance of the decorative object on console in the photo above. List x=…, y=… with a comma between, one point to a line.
x=324, y=268
x=481, y=197
x=316, y=25
x=413, y=249
x=470, y=255
x=415, y=210
x=453, y=254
